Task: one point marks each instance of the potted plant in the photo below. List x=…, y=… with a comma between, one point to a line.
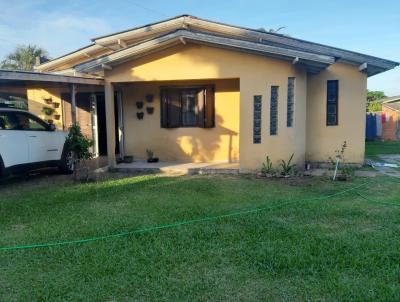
x=140, y=115
x=47, y=110
x=150, y=156
x=57, y=117
x=56, y=105
x=150, y=110
x=139, y=105
x=149, y=98
x=80, y=146
x=48, y=100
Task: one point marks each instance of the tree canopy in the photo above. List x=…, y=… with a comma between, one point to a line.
x=24, y=57
x=373, y=100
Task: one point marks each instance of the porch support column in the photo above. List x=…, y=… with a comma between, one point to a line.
x=73, y=103
x=110, y=122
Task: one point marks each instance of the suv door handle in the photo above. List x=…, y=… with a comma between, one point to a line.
x=32, y=136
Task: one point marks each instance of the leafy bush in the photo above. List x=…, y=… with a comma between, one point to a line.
x=287, y=168
x=79, y=144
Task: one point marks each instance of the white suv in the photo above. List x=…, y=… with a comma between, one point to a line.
x=29, y=143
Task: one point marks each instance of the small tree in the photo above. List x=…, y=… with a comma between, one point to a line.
x=80, y=146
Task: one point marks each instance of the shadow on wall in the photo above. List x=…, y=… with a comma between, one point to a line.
x=204, y=147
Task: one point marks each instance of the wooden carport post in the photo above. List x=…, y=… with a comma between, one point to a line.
x=110, y=122
x=73, y=103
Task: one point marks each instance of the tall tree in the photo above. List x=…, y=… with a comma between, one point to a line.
x=24, y=57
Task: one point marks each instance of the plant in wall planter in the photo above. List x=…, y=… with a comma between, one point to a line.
x=57, y=117
x=50, y=121
x=56, y=105
x=150, y=156
x=140, y=115
x=139, y=105
x=150, y=110
x=47, y=110
x=149, y=98
x=48, y=100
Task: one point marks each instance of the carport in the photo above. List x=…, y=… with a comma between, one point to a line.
x=70, y=98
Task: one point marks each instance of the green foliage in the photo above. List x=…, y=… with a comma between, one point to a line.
x=267, y=168
x=373, y=97
x=24, y=57
x=47, y=110
x=78, y=143
x=287, y=168
x=374, y=106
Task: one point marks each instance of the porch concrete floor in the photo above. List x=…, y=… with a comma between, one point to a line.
x=179, y=168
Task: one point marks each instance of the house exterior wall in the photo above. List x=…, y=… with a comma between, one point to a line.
x=323, y=140
x=36, y=102
x=190, y=144
x=257, y=74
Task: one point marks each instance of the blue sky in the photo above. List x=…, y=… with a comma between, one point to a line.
x=369, y=26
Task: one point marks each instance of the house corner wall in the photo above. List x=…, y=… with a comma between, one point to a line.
x=323, y=140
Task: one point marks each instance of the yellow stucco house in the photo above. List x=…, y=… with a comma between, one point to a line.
x=194, y=90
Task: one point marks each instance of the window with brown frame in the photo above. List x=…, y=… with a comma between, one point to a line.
x=187, y=107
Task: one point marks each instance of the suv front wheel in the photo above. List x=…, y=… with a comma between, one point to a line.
x=67, y=162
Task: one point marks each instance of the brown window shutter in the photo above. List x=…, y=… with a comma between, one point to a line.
x=209, y=107
x=164, y=108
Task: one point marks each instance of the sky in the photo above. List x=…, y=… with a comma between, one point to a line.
x=369, y=26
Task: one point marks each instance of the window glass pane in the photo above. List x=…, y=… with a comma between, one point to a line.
x=290, y=101
x=28, y=122
x=332, y=102
x=273, y=113
x=8, y=121
x=189, y=108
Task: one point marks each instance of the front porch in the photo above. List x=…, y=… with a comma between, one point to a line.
x=177, y=168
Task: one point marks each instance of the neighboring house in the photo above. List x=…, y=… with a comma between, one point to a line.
x=391, y=118
x=191, y=89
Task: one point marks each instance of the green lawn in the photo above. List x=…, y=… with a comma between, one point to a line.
x=373, y=148
x=340, y=249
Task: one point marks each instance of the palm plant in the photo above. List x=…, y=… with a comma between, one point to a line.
x=24, y=58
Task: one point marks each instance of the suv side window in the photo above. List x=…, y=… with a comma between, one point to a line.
x=21, y=121
x=30, y=122
x=8, y=121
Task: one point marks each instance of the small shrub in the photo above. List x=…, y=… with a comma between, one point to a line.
x=267, y=168
x=80, y=146
x=287, y=168
x=346, y=170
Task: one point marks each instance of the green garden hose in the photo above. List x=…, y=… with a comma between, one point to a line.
x=186, y=222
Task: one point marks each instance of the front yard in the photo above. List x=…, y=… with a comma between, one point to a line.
x=336, y=249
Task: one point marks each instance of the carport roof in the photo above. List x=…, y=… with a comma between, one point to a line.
x=32, y=76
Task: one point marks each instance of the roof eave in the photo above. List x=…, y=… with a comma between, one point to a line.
x=321, y=61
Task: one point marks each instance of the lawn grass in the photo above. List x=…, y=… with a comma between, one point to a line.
x=374, y=148
x=340, y=249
